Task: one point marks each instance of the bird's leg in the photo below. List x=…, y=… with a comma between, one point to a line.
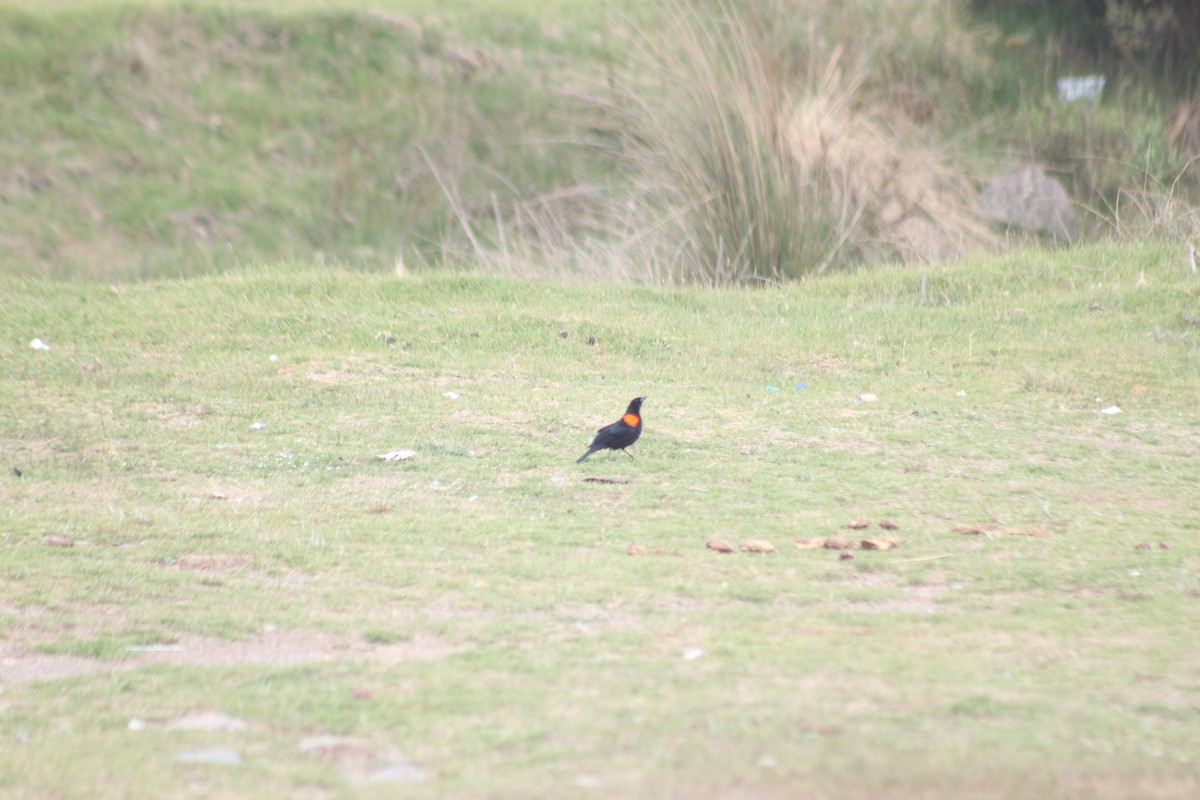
x=626, y=452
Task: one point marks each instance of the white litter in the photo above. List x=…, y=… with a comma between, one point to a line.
x=397, y=455
x=38, y=344
x=1080, y=87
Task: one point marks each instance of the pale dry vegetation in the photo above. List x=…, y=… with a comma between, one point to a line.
x=757, y=152
x=767, y=141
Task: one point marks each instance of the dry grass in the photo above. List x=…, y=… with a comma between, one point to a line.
x=746, y=151
x=909, y=201
x=1155, y=211
x=755, y=154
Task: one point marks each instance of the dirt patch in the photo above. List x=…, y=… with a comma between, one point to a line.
x=274, y=649
x=361, y=759
x=202, y=562
x=907, y=599
x=174, y=416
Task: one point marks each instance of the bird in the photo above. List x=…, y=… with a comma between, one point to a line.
x=621, y=433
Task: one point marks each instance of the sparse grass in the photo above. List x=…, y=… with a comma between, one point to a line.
x=1116, y=160
x=1123, y=159
x=474, y=612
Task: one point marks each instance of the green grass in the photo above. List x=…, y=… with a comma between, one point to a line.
x=474, y=611
x=193, y=517
x=157, y=140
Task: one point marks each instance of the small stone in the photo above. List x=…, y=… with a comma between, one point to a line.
x=397, y=773
x=216, y=756
x=207, y=721
x=333, y=745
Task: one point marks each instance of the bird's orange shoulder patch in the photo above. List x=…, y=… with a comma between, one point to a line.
x=631, y=420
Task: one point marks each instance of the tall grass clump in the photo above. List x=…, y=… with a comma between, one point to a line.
x=765, y=157
x=710, y=139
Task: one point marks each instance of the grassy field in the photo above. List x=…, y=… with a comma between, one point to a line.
x=471, y=623
x=243, y=249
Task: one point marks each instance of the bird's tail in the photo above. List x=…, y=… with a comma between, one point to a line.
x=585, y=455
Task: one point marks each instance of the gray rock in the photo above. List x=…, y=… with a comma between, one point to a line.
x=1030, y=200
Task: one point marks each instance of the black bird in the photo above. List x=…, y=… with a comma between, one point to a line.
x=621, y=433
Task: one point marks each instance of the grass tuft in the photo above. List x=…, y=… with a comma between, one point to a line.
x=763, y=165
